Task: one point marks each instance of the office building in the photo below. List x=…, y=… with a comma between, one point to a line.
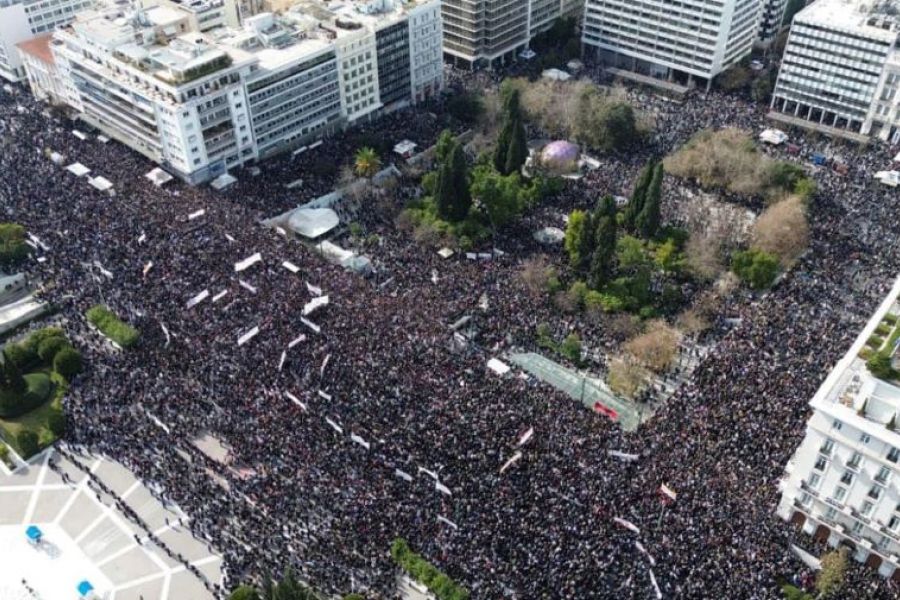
x=771, y=20
x=202, y=102
x=841, y=485
x=489, y=32
x=22, y=20
x=673, y=40
x=841, y=67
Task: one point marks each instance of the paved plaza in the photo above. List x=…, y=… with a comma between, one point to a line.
x=86, y=537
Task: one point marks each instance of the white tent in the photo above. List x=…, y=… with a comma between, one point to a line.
x=223, y=181
x=159, y=177
x=445, y=252
x=556, y=75
x=56, y=158
x=773, y=136
x=78, y=169
x=498, y=366
x=549, y=235
x=891, y=178
x=101, y=183
x=313, y=222
x=405, y=148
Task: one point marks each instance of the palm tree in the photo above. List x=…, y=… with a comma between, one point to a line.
x=367, y=162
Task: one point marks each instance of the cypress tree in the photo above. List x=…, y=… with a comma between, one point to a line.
x=636, y=203
x=605, y=243
x=443, y=187
x=647, y=221
x=510, y=152
x=586, y=243
x=461, y=201
x=517, y=151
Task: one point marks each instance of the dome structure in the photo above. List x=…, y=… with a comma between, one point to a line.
x=560, y=155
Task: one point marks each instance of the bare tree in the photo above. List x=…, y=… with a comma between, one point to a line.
x=656, y=348
x=626, y=377
x=536, y=274
x=782, y=230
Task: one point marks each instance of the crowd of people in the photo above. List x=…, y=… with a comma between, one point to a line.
x=360, y=425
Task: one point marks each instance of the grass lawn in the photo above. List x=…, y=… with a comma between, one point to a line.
x=36, y=420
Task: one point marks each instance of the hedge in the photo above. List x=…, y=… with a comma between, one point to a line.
x=28, y=443
x=67, y=362
x=112, y=327
x=13, y=404
x=425, y=573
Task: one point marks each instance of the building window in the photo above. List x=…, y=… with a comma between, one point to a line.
x=820, y=464
x=883, y=474
x=854, y=461
x=839, y=493
x=866, y=508
x=875, y=492
x=894, y=523
x=857, y=528
x=847, y=478
x=836, y=424
x=831, y=513
x=893, y=455
x=864, y=438
x=827, y=447
x=814, y=480
x=805, y=499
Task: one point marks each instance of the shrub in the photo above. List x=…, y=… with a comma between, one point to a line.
x=880, y=366
x=244, y=592
x=33, y=341
x=755, y=267
x=49, y=347
x=4, y=452
x=14, y=404
x=882, y=329
x=577, y=293
x=27, y=441
x=112, y=327
x=13, y=248
x=571, y=347
x=56, y=422
x=421, y=570
x=21, y=355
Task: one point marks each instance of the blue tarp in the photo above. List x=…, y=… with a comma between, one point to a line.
x=818, y=159
x=85, y=588
x=34, y=533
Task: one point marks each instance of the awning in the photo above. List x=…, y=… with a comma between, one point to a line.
x=159, y=177
x=405, y=147
x=223, y=181
x=78, y=169
x=313, y=222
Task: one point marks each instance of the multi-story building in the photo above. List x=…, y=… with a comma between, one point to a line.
x=22, y=20
x=200, y=103
x=487, y=32
x=697, y=39
x=40, y=67
x=841, y=67
x=842, y=483
x=771, y=19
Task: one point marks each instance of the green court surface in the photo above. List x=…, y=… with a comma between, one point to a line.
x=588, y=390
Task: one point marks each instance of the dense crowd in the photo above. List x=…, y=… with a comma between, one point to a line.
x=431, y=428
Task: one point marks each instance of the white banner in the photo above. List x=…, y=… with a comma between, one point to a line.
x=643, y=551
x=313, y=289
x=623, y=455
x=248, y=336
x=290, y=266
x=195, y=214
x=142, y=238
x=334, y=425
x=281, y=231
x=229, y=238
x=310, y=324
x=510, y=462
x=442, y=488
x=523, y=439
x=313, y=304
x=430, y=473
x=166, y=333
x=147, y=267
x=403, y=475
x=655, y=585
x=324, y=364
x=247, y=262
x=246, y=285
x=198, y=299
x=297, y=340
x=627, y=524
x=448, y=522
x=296, y=401
x=219, y=296
x=498, y=366
x=324, y=395
x=359, y=440
x=281, y=361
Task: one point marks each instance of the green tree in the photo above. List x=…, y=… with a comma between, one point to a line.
x=511, y=150
x=244, y=592
x=667, y=257
x=444, y=146
x=647, y=221
x=518, y=149
x=28, y=443
x=48, y=348
x=465, y=106
x=12, y=376
x=452, y=196
x=571, y=347
x=67, y=362
x=604, y=243
x=56, y=422
x=881, y=366
x=630, y=254
x=636, y=202
x=498, y=195
x=366, y=163
x=761, y=90
x=576, y=229
x=831, y=576
x=756, y=268
x=619, y=127
x=13, y=248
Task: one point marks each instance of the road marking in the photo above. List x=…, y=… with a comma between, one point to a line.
x=36, y=492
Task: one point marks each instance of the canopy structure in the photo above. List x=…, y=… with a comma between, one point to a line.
x=78, y=169
x=527, y=54
x=560, y=155
x=223, y=181
x=56, y=158
x=313, y=222
x=575, y=65
x=891, y=178
x=101, y=183
x=498, y=366
x=159, y=177
x=405, y=148
x=549, y=235
x=34, y=533
x=445, y=252
x=773, y=136
x=556, y=75
x=85, y=588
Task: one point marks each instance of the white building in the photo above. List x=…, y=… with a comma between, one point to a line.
x=771, y=20
x=201, y=103
x=843, y=482
x=487, y=32
x=696, y=39
x=40, y=67
x=22, y=20
x=841, y=67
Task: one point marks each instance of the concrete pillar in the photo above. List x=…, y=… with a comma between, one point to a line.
x=834, y=122
x=809, y=113
x=822, y=117
x=708, y=84
x=797, y=110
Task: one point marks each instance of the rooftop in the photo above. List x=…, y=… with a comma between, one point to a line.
x=857, y=389
x=877, y=19
x=38, y=47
